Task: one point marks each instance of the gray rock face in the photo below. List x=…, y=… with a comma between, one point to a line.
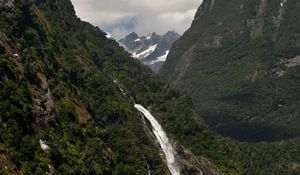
x=152, y=49
x=43, y=103
x=7, y=4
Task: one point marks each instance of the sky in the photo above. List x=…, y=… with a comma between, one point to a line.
x=120, y=17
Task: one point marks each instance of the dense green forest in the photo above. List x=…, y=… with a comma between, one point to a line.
x=60, y=83
x=240, y=63
x=60, y=80
x=53, y=88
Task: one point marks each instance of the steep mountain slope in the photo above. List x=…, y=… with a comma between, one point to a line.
x=66, y=87
x=51, y=90
x=240, y=60
x=152, y=50
x=240, y=63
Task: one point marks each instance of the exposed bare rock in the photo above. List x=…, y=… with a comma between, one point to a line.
x=289, y=63
x=48, y=103
x=7, y=4
x=43, y=104
x=284, y=65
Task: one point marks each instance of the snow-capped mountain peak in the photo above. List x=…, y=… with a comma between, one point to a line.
x=151, y=49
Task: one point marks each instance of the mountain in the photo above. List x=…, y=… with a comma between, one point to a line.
x=245, y=62
x=152, y=50
x=68, y=97
x=73, y=101
x=239, y=62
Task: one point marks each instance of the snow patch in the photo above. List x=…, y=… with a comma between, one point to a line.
x=148, y=37
x=164, y=57
x=145, y=53
x=160, y=59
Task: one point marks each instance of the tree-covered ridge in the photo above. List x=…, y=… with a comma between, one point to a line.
x=58, y=85
x=51, y=89
x=243, y=58
x=240, y=63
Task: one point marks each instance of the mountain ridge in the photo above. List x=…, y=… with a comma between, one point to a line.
x=151, y=49
x=225, y=36
x=234, y=62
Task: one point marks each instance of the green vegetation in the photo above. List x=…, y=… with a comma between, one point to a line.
x=60, y=88
x=233, y=61
x=92, y=128
x=57, y=84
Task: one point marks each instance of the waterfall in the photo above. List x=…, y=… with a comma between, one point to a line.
x=163, y=140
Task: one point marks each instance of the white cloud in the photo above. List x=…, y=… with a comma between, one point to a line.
x=141, y=16
x=119, y=32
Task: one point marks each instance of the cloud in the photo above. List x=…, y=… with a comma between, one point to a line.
x=119, y=17
x=119, y=32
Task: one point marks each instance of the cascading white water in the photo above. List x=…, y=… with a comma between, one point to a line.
x=163, y=140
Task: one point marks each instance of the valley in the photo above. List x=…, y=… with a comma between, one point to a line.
x=224, y=99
